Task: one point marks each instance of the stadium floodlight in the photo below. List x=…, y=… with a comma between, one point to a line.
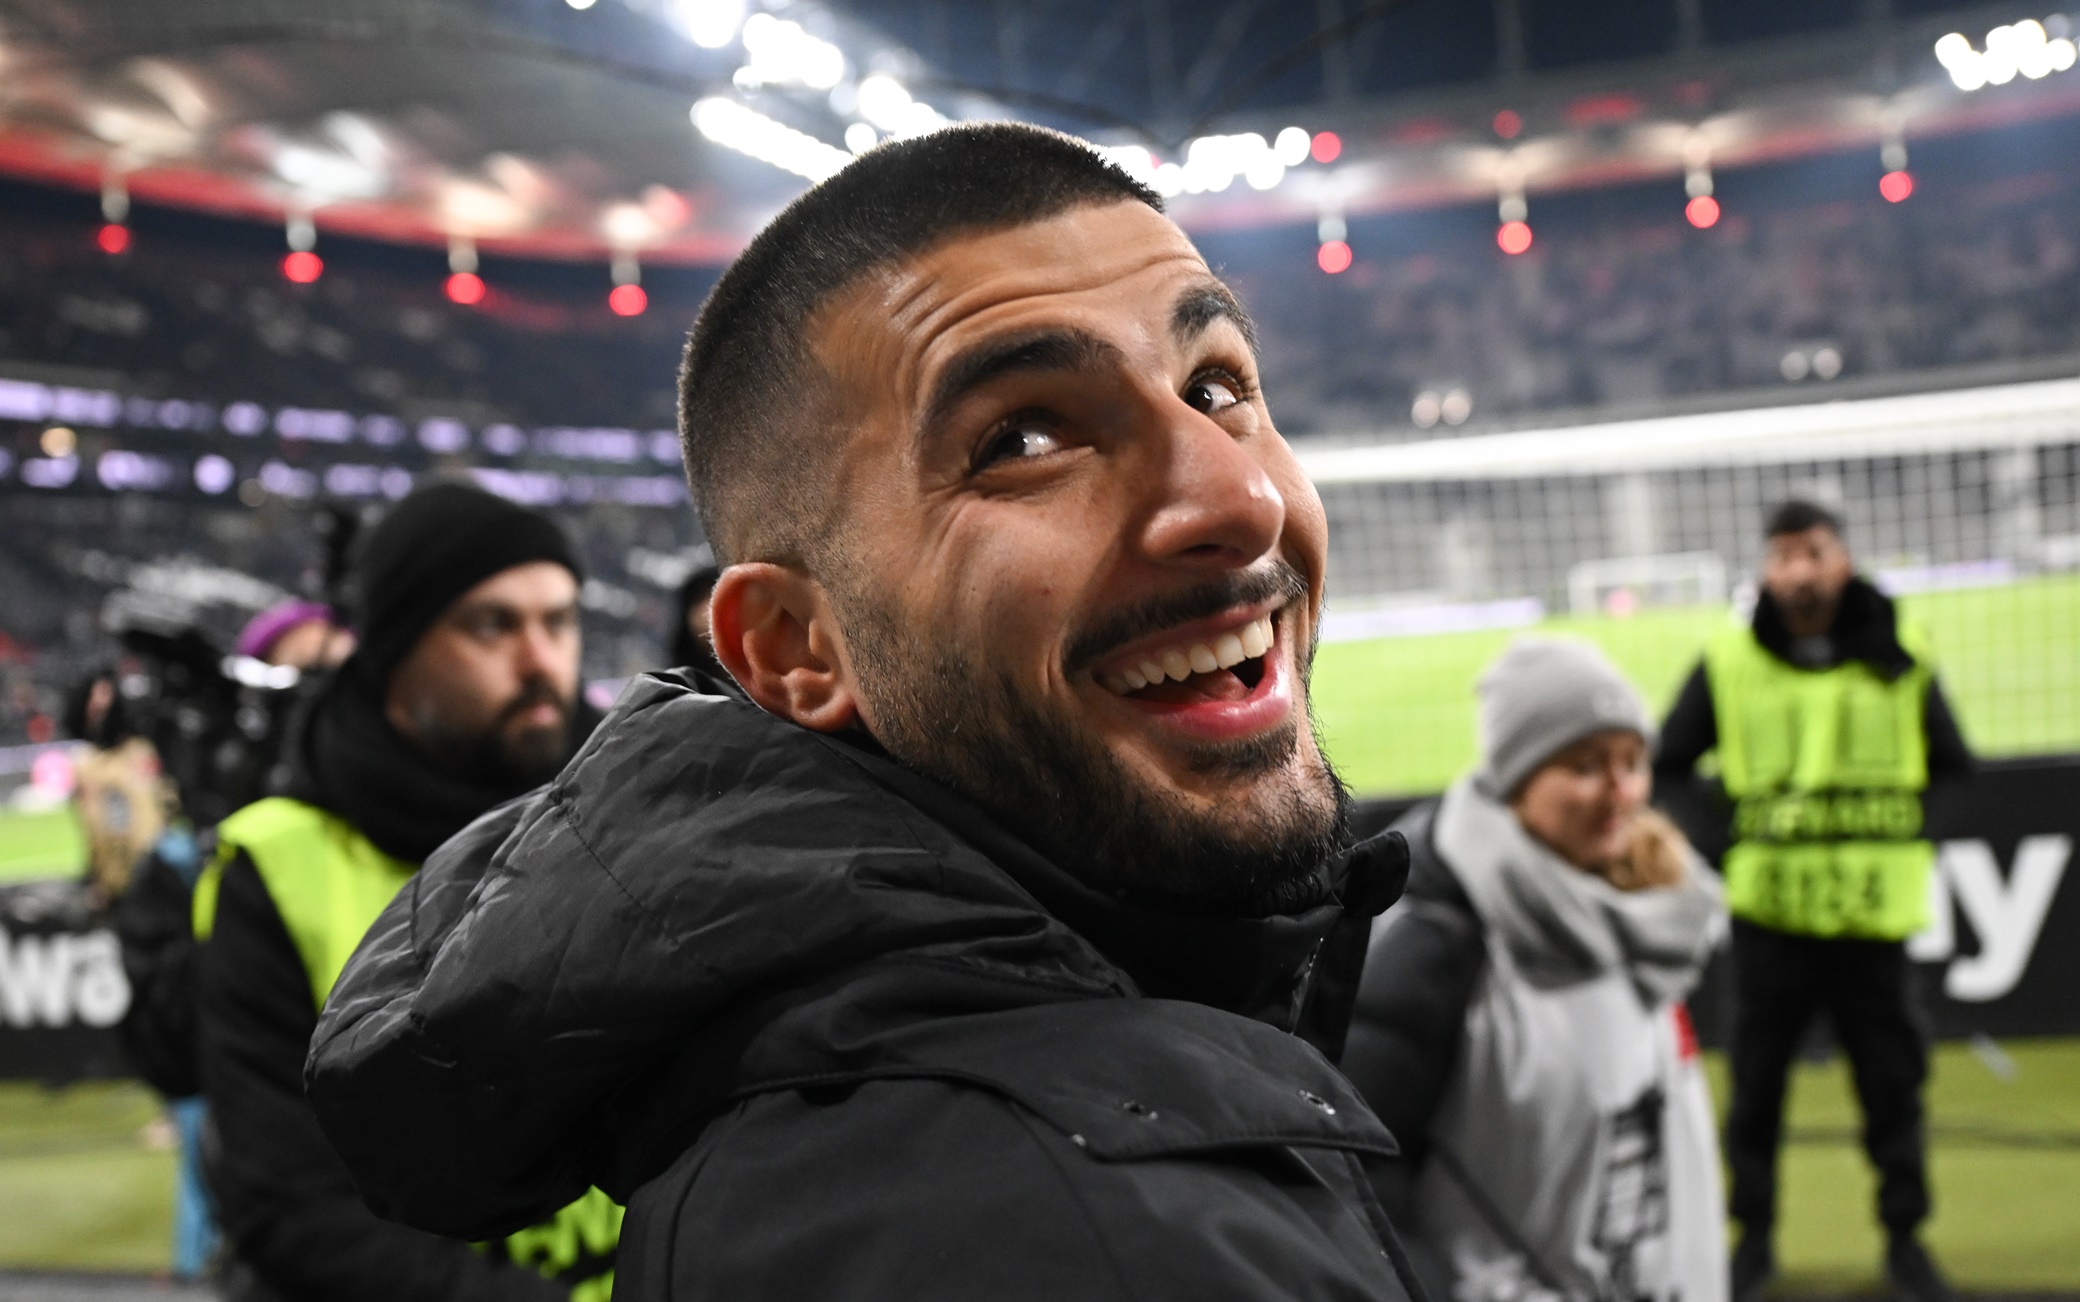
x=1292, y=146
x=2027, y=49
x=1211, y=163
x=733, y=126
x=885, y=102
x=581, y=4
x=710, y=24
x=784, y=53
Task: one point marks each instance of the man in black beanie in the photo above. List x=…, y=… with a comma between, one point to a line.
x=462, y=694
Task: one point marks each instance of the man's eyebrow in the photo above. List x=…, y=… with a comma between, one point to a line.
x=1202, y=305
x=1041, y=350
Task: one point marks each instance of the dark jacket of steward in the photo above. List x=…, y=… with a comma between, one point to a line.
x=832, y=1034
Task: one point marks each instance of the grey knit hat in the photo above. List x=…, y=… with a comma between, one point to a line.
x=1542, y=695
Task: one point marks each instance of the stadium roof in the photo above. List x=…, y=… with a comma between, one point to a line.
x=544, y=129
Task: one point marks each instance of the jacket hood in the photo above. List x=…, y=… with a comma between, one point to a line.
x=711, y=902
x=346, y=758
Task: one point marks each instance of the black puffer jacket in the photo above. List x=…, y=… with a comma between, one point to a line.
x=831, y=1034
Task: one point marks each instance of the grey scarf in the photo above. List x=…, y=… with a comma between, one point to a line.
x=1562, y=925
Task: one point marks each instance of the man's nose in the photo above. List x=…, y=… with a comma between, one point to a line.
x=534, y=651
x=1214, y=501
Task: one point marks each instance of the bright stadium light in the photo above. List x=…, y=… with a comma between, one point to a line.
x=1211, y=163
x=783, y=53
x=884, y=102
x=710, y=24
x=748, y=131
x=2027, y=49
x=1292, y=146
x=860, y=137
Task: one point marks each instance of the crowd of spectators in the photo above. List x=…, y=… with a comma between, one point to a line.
x=1620, y=303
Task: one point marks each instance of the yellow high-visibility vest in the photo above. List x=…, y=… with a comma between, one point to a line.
x=1826, y=769
x=329, y=883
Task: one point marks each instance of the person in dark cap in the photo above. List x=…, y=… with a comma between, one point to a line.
x=461, y=694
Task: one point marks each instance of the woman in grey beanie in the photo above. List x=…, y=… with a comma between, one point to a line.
x=1520, y=1027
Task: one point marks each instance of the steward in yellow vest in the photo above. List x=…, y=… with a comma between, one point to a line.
x=1832, y=738
x=1825, y=767
x=461, y=696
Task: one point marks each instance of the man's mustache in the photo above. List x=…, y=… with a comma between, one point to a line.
x=538, y=691
x=1274, y=578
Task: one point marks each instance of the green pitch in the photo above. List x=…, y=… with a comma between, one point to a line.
x=1397, y=713
x=47, y=843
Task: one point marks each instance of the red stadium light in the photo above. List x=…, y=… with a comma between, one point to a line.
x=1703, y=211
x=466, y=288
x=1508, y=123
x=1333, y=257
x=1513, y=237
x=628, y=300
x=302, y=266
x=1896, y=186
x=1326, y=147
x=113, y=238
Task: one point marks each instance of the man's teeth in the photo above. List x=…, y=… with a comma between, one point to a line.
x=1181, y=662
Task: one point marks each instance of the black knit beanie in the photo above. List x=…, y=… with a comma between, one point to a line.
x=432, y=547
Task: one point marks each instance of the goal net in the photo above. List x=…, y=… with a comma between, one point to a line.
x=1644, y=535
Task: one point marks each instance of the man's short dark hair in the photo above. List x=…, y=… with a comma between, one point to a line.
x=749, y=391
x=1798, y=515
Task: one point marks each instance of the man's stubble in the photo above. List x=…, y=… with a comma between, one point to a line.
x=1056, y=784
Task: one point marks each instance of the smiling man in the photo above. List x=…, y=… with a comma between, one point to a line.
x=962, y=946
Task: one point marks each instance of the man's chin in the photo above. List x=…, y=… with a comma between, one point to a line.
x=532, y=756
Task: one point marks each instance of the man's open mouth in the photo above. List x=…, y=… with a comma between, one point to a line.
x=1224, y=668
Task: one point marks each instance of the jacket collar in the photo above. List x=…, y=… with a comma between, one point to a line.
x=1866, y=628
x=1261, y=968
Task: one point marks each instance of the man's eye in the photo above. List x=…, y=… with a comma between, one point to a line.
x=1017, y=442
x=1212, y=393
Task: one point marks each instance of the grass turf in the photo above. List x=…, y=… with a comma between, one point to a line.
x=43, y=844
x=2004, y=1167
x=80, y=1188
x=1397, y=714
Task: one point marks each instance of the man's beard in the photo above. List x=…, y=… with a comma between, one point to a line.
x=1810, y=607
x=500, y=755
x=1055, y=783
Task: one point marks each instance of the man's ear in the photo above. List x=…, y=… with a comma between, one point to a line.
x=776, y=634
